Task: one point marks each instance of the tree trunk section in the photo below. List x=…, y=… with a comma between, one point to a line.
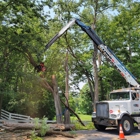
x=95, y=71
x=24, y=126
x=91, y=91
x=100, y=78
x=70, y=109
x=95, y=68
x=53, y=88
x=66, y=112
x=96, y=91
x=57, y=100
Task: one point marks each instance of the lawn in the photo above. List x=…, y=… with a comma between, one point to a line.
x=82, y=117
x=86, y=119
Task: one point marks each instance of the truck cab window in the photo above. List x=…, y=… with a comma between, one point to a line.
x=120, y=96
x=134, y=96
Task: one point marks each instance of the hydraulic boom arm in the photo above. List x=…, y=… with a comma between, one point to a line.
x=129, y=77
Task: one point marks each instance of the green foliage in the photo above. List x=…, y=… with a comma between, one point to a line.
x=25, y=29
x=78, y=126
x=34, y=137
x=23, y=32
x=72, y=102
x=88, y=126
x=42, y=126
x=30, y=100
x=36, y=122
x=84, y=101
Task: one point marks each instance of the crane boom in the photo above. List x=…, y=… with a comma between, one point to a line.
x=106, y=51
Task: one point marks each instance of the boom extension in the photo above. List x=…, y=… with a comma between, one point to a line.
x=106, y=51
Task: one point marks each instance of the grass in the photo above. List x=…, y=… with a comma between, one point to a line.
x=87, y=121
x=82, y=117
x=88, y=126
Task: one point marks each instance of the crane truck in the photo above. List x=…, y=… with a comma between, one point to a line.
x=123, y=107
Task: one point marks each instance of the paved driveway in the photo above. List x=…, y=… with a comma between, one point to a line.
x=109, y=134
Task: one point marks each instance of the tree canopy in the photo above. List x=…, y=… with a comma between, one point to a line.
x=26, y=27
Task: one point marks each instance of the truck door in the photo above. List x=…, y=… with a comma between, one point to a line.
x=135, y=96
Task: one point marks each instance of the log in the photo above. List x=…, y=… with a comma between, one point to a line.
x=17, y=126
x=62, y=127
x=51, y=132
x=17, y=129
x=13, y=126
x=66, y=134
x=24, y=135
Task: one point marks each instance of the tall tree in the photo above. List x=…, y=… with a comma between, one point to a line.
x=96, y=9
x=26, y=24
x=66, y=113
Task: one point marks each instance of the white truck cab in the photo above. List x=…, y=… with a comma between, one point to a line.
x=122, y=108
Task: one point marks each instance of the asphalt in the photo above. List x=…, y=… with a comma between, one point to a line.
x=109, y=134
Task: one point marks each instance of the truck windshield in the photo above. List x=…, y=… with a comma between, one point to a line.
x=119, y=96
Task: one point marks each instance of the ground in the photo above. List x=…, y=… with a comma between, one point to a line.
x=109, y=134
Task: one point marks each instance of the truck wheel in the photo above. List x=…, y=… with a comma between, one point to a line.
x=100, y=127
x=127, y=125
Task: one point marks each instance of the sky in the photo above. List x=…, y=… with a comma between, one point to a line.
x=47, y=9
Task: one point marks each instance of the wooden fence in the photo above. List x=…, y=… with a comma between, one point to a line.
x=5, y=115
x=12, y=117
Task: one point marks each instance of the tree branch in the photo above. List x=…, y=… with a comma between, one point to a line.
x=71, y=110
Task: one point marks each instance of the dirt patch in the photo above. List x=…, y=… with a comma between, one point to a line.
x=24, y=135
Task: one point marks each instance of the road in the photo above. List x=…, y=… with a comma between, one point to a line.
x=109, y=134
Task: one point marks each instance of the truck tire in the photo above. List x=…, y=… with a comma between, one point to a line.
x=100, y=127
x=127, y=125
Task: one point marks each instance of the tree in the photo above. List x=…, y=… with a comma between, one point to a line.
x=97, y=10
x=25, y=29
x=26, y=25
x=121, y=37
x=85, y=107
x=67, y=113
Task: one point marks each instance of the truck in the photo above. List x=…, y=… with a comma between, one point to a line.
x=123, y=107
